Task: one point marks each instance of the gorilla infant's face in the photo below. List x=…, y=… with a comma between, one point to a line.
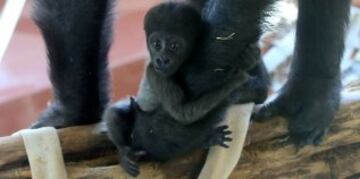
x=167, y=51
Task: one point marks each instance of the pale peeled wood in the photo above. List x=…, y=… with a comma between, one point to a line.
x=44, y=153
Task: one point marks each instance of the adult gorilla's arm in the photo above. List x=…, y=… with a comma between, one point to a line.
x=231, y=25
x=310, y=98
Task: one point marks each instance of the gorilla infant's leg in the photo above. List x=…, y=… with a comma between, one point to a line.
x=77, y=36
x=120, y=121
x=310, y=98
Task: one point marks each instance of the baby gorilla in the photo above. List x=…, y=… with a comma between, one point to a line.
x=152, y=129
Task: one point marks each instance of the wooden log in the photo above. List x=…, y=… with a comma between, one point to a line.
x=269, y=154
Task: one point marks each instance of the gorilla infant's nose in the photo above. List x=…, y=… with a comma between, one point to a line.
x=166, y=61
x=162, y=62
x=159, y=63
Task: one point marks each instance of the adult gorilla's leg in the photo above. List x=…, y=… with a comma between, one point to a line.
x=77, y=36
x=310, y=98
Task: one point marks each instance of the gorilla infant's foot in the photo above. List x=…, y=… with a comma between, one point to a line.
x=309, y=111
x=219, y=136
x=129, y=159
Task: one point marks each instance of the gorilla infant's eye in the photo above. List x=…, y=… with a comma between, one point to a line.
x=157, y=44
x=173, y=46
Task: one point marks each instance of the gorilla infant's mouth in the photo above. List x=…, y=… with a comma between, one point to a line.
x=160, y=70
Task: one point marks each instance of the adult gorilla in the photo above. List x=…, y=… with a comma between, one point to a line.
x=77, y=37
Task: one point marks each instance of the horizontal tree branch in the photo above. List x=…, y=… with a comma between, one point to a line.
x=269, y=154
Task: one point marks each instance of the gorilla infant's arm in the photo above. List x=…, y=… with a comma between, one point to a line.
x=174, y=101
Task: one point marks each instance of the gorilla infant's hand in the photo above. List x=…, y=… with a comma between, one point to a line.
x=219, y=136
x=309, y=105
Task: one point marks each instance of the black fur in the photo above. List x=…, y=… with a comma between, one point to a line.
x=77, y=36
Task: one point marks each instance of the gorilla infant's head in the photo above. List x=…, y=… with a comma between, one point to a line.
x=172, y=32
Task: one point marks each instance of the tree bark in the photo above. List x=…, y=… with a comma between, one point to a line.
x=269, y=154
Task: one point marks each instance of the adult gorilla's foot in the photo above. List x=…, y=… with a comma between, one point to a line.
x=57, y=117
x=309, y=109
